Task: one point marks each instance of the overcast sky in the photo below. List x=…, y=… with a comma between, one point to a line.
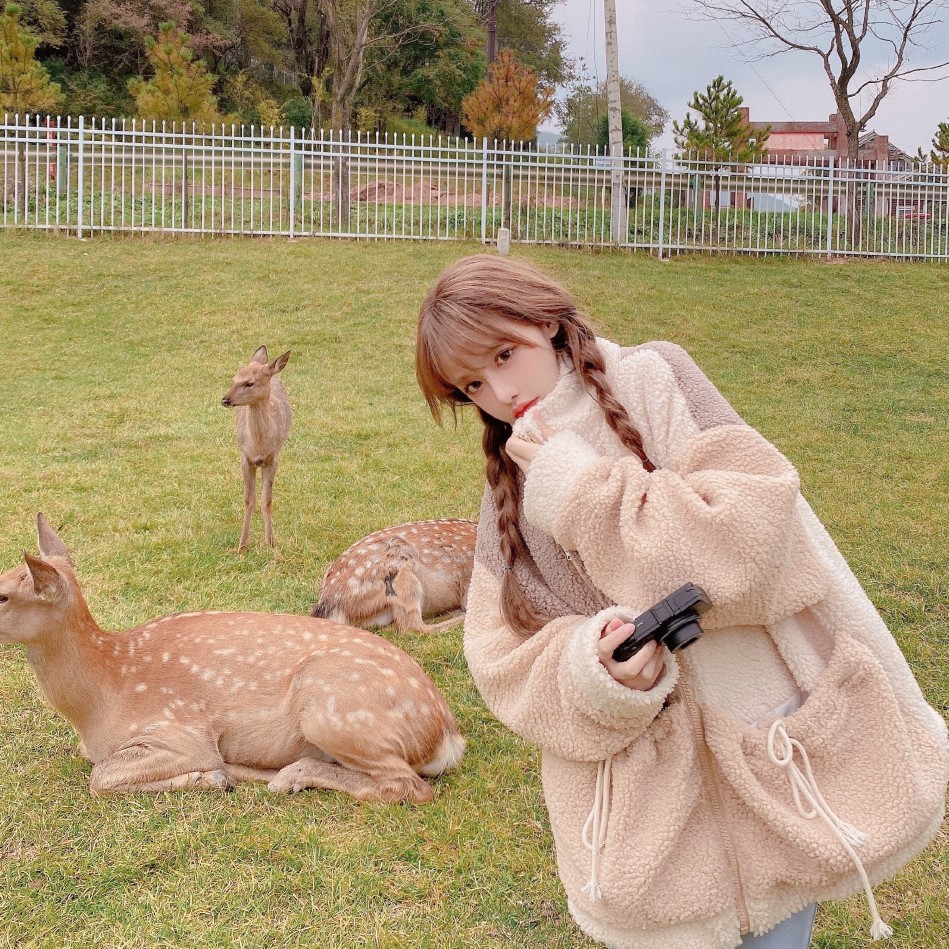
x=664, y=47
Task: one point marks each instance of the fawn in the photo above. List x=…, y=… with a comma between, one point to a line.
x=207, y=699
x=398, y=574
x=263, y=424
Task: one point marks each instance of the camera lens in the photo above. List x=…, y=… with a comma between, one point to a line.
x=682, y=631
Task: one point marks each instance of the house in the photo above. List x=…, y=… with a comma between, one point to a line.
x=799, y=141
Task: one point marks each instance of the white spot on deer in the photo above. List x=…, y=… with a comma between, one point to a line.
x=359, y=715
x=225, y=652
x=141, y=687
x=353, y=676
x=387, y=672
x=165, y=656
x=187, y=615
x=169, y=714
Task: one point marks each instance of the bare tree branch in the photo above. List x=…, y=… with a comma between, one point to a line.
x=843, y=34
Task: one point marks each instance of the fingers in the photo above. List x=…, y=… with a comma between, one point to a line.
x=521, y=451
x=641, y=670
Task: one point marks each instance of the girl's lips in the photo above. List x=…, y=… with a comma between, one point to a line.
x=526, y=407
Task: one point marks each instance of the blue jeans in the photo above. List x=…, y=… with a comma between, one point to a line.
x=793, y=933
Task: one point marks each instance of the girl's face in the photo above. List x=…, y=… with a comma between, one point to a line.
x=514, y=374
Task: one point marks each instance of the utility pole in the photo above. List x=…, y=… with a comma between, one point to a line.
x=614, y=119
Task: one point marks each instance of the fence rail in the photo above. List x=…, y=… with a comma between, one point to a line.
x=85, y=177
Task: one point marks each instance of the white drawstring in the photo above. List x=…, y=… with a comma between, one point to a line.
x=596, y=822
x=804, y=783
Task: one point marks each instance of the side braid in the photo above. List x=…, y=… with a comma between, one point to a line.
x=502, y=477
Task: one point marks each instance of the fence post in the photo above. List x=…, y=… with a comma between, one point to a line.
x=830, y=205
x=293, y=182
x=484, y=190
x=662, y=202
x=82, y=158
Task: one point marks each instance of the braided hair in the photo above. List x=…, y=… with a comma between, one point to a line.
x=466, y=313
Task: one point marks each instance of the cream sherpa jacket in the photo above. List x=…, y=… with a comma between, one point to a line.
x=707, y=807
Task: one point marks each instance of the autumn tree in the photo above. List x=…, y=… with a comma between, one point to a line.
x=510, y=104
x=720, y=135
x=25, y=85
x=864, y=48
x=181, y=88
x=940, y=152
x=584, y=106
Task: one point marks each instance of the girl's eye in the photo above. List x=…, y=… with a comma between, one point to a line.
x=505, y=355
x=471, y=388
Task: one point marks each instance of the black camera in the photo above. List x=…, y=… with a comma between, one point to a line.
x=672, y=622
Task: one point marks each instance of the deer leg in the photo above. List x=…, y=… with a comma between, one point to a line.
x=176, y=761
x=406, y=601
x=268, y=473
x=250, y=499
x=391, y=783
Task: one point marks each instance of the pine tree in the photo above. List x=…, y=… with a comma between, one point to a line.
x=25, y=85
x=723, y=135
x=940, y=152
x=509, y=104
x=181, y=89
x=723, y=138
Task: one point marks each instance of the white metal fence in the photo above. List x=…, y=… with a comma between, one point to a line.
x=84, y=177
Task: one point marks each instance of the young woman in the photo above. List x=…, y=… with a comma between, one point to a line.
x=702, y=798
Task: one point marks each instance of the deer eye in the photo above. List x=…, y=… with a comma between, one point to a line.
x=3, y=599
x=247, y=385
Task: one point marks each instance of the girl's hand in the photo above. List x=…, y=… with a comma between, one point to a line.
x=641, y=671
x=522, y=448
x=521, y=451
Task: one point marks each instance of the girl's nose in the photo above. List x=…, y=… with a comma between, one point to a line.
x=504, y=392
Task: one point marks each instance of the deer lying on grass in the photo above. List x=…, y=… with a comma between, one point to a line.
x=204, y=700
x=399, y=574
x=263, y=424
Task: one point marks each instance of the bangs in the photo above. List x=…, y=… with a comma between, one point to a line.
x=449, y=343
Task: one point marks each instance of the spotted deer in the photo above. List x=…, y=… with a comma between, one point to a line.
x=208, y=699
x=263, y=424
x=400, y=574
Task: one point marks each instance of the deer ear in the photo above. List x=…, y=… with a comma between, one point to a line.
x=47, y=583
x=51, y=544
x=280, y=362
x=260, y=355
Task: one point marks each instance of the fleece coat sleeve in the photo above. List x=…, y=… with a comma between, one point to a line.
x=550, y=688
x=720, y=510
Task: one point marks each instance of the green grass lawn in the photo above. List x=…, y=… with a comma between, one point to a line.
x=117, y=353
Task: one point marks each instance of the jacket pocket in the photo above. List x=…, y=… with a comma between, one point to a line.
x=848, y=767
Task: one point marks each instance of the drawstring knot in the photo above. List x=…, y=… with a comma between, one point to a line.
x=781, y=750
x=594, y=829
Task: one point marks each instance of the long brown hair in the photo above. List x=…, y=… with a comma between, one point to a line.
x=463, y=315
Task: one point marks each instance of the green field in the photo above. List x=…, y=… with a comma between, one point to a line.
x=117, y=354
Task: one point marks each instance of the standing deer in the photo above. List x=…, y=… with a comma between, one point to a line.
x=263, y=424
x=207, y=699
x=399, y=574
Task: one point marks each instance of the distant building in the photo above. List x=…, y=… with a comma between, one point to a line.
x=801, y=141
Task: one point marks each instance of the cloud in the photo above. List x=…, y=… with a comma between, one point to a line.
x=673, y=54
